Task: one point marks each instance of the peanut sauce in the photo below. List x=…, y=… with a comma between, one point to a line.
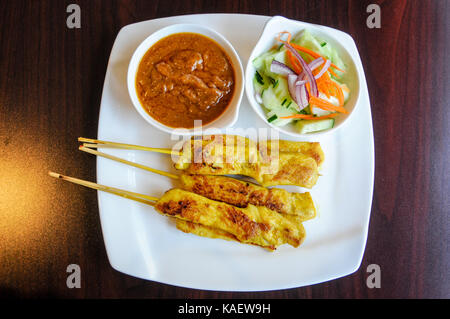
x=185, y=77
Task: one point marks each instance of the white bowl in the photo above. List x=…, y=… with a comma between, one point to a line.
x=338, y=39
x=228, y=117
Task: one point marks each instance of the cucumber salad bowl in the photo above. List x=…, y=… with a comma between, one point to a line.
x=300, y=79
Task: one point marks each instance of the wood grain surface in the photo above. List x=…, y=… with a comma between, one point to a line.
x=51, y=79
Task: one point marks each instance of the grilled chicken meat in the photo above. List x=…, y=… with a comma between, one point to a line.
x=207, y=231
x=253, y=225
x=311, y=149
x=227, y=155
x=241, y=194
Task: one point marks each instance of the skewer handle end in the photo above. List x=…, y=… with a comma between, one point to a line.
x=53, y=174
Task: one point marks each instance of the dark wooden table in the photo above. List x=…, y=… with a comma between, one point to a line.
x=51, y=80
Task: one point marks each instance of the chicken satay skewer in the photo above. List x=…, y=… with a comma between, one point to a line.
x=311, y=148
x=233, y=191
x=251, y=225
x=285, y=169
x=183, y=225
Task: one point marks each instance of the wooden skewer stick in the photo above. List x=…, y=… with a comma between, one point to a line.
x=145, y=199
x=99, y=143
x=118, y=159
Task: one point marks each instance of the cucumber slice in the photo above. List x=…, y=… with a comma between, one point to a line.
x=308, y=126
x=270, y=99
x=280, y=56
x=276, y=95
x=261, y=62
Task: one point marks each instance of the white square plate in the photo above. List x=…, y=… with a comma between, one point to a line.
x=142, y=243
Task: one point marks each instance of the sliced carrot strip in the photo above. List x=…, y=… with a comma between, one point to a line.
x=320, y=106
x=329, y=87
x=339, y=93
x=328, y=108
x=323, y=87
x=305, y=50
x=288, y=39
x=312, y=53
x=334, y=73
x=325, y=105
x=308, y=88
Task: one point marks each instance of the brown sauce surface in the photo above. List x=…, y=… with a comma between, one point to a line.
x=185, y=77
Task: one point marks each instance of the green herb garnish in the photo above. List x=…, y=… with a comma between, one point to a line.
x=323, y=44
x=272, y=118
x=284, y=101
x=271, y=80
x=275, y=84
x=303, y=112
x=259, y=78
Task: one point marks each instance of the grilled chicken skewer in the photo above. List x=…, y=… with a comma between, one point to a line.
x=235, y=192
x=211, y=232
x=264, y=162
x=312, y=149
x=252, y=225
x=241, y=194
x=287, y=169
x=240, y=144
x=270, y=163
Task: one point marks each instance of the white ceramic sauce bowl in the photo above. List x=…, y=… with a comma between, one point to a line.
x=337, y=39
x=228, y=117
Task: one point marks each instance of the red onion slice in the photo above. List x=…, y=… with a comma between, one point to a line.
x=313, y=65
x=280, y=68
x=316, y=63
x=324, y=69
x=302, y=96
x=298, y=92
x=296, y=83
x=306, y=69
